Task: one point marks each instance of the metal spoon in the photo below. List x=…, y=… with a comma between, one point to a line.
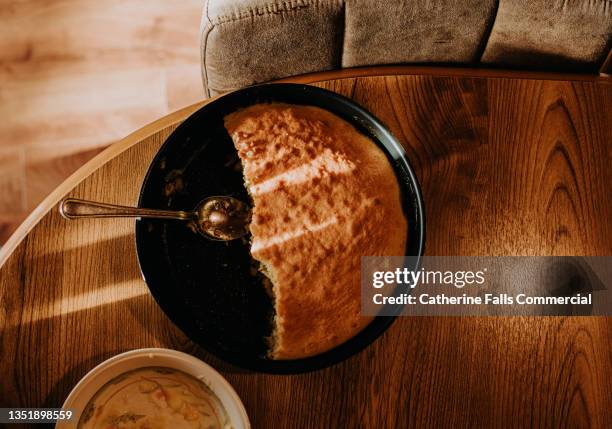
x=218, y=218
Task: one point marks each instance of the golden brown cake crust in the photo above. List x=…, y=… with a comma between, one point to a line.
x=324, y=195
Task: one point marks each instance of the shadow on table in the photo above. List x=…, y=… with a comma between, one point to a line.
x=147, y=313
x=62, y=387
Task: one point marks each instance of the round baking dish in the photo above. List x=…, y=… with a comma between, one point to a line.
x=207, y=288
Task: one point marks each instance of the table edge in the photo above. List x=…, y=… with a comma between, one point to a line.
x=87, y=169
x=444, y=71
x=148, y=130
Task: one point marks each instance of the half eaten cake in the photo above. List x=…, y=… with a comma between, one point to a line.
x=323, y=196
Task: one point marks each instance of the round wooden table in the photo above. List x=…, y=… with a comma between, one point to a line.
x=510, y=164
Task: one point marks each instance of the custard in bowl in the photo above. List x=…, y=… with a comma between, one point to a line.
x=154, y=398
x=154, y=388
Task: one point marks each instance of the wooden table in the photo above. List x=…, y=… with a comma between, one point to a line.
x=509, y=165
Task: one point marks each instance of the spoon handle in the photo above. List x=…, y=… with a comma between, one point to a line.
x=74, y=208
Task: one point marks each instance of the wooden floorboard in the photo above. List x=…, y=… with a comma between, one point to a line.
x=77, y=75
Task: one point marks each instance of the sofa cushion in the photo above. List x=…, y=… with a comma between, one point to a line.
x=570, y=35
x=248, y=41
x=252, y=41
x=416, y=31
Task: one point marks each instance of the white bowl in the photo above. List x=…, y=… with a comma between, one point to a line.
x=96, y=378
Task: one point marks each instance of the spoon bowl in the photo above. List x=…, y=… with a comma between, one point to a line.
x=222, y=218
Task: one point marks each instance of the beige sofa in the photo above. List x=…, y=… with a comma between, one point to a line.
x=251, y=41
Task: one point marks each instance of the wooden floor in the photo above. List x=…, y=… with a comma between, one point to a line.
x=76, y=75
